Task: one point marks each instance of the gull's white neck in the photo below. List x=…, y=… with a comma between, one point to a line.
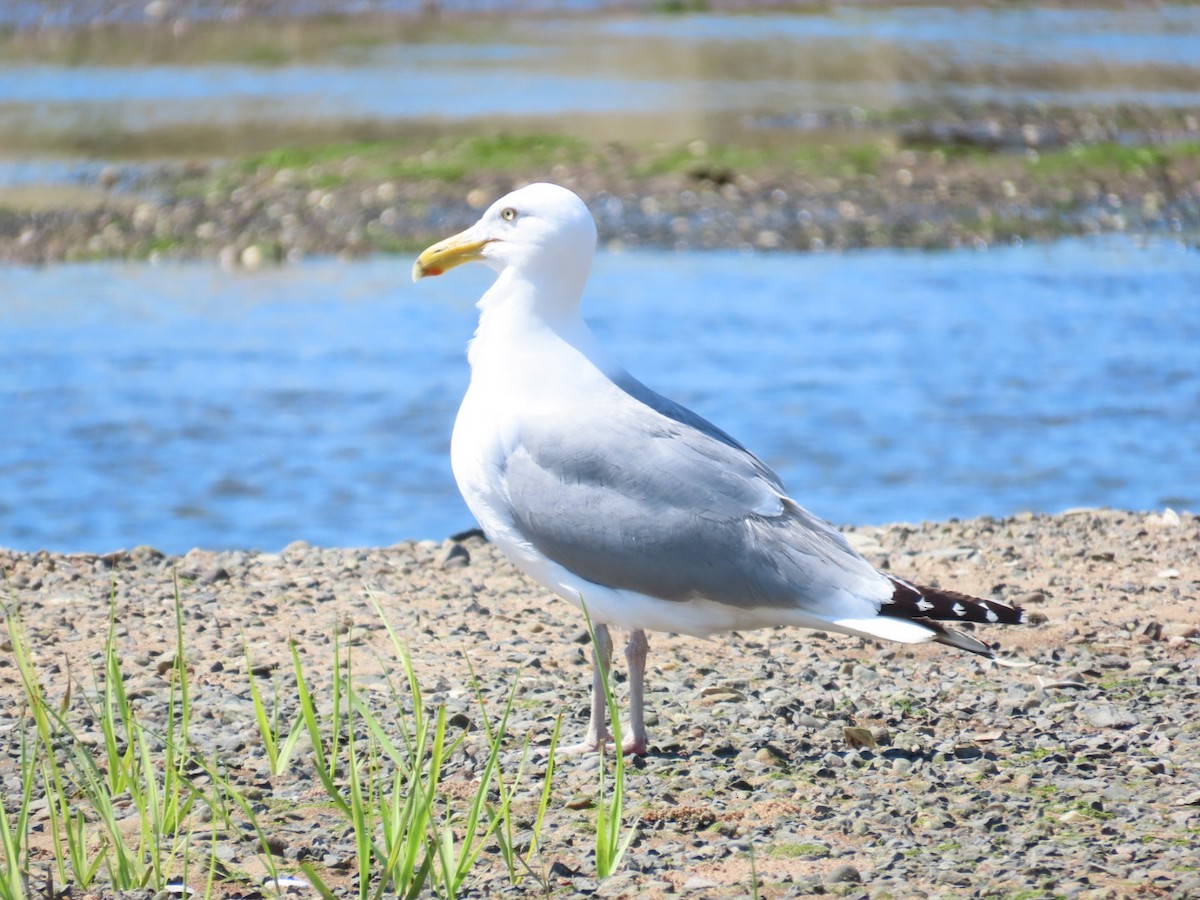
x=515, y=316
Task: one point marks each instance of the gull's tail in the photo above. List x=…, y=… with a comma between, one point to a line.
x=929, y=606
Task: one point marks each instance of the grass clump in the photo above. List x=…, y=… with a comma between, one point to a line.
x=610, y=844
x=443, y=159
x=135, y=802
x=1110, y=156
x=140, y=772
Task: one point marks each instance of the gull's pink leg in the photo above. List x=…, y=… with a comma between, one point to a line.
x=597, y=735
x=635, y=656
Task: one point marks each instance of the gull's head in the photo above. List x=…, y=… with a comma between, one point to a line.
x=542, y=232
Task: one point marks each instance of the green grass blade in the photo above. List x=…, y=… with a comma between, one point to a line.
x=13, y=835
x=335, y=716
x=309, y=715
x=266, y=728
x=547, y=787
x=289, y=746
x=316, y=883
x=610, y=811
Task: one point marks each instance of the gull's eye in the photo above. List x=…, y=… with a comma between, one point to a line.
x=508, y=214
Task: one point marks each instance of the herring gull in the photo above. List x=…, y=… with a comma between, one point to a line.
x=626, y=503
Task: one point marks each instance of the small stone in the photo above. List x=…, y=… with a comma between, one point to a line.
x=859, y=738
x=214, y=575
x=619, y=884
x=1119, y=793
x=865, y=675
x=252, y=257
x=562, y=870
x=1180, y=629
x=770, y=757
x=224, y=852
x=1107, y=715
x=1169, y=518
x=843, y=873
x=456, y=557
x=722, y=694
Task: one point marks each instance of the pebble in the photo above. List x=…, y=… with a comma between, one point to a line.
x=843, y=873
x=1107, y=715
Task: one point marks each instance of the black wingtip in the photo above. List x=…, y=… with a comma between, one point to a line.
x=912, y=601
x=958, y=640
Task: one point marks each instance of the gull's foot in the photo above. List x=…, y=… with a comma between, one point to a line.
x=631, y=746
x=635, y=746
x=591, y=745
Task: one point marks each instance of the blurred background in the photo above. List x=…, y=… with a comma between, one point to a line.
x=927, y=261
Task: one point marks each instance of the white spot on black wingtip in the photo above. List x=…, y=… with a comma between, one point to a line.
x=924, y=605
x=991, y=615
x=958, y=609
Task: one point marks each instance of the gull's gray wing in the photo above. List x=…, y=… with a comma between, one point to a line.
x=642, y=494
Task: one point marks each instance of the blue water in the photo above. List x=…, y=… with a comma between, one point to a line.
x=1022, y=33
x=670, y=67
x=99, y=96
x=184, y=406
x=28, y=14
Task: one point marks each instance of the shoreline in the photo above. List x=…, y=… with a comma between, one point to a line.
x=1078, y=774
x=968, y=176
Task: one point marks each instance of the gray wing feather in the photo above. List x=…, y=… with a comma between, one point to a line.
x=677, y=412
x=657, y=500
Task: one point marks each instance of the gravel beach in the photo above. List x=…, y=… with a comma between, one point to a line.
x=1075, y=773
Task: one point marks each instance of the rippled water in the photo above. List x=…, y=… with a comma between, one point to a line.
x=90, y=13
x=186, y=406
x=677, y=71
